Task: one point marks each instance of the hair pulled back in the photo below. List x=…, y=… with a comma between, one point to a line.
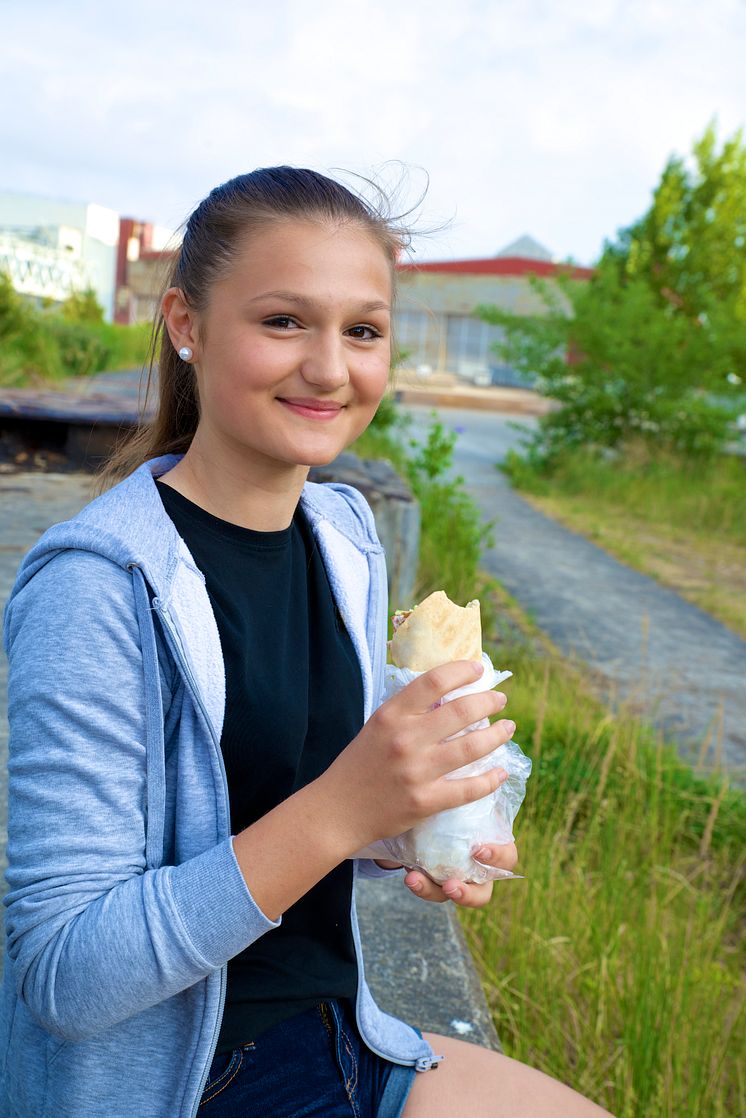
x=213, y=235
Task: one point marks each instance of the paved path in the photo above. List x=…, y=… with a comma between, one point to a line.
x=674, y=663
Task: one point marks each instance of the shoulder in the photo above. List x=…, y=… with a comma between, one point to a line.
x=345, y=508
x=74, y=591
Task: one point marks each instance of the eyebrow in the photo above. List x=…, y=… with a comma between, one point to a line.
x=302, y=300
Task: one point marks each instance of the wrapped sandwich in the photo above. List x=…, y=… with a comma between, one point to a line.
x=437, y=632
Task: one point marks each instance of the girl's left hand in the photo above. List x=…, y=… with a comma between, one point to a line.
x=467, y=895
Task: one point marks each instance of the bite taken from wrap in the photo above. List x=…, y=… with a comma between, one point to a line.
x=435, y=632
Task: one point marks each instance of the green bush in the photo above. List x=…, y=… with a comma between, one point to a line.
x=452, y=534
x=41, y=344
x=652, y=347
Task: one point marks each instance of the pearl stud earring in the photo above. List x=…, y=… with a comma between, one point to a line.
x=185, y=353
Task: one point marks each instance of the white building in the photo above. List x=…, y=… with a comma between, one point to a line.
x=52, y=248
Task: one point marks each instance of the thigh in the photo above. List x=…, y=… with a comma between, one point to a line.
x=484, y=1084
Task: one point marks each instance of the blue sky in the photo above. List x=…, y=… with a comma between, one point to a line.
x=527, y=116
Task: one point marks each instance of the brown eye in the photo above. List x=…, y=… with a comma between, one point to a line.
x=364, y=333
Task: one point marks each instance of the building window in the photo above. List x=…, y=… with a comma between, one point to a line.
x=417, y=335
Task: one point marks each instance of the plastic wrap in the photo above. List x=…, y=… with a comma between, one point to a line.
x=442, y=845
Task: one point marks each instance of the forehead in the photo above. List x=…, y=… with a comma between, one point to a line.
x=313, y=259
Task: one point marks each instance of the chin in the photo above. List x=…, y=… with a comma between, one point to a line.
x=322, y=458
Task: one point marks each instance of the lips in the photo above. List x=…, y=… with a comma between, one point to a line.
x=311, y=407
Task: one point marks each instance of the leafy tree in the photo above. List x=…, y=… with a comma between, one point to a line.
x=653, y=346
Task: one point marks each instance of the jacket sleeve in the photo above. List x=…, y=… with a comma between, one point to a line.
x=93, y=934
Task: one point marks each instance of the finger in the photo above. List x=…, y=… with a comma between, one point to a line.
x=456, y=715
x=428, y=689
x=424, y=887
x=501, y=856
x=454, y=753
x=460, y=790
x=467, y=895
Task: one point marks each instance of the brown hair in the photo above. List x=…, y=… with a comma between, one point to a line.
x=212, y=237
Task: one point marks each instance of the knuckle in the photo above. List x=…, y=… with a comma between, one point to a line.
x=463, y=710
x=475, y=744
x=437, y=682
x=398, y=745
x=419, y=802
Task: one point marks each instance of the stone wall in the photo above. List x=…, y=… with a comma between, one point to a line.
x=396, y=512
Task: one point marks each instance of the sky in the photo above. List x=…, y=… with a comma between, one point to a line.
x=548, y=117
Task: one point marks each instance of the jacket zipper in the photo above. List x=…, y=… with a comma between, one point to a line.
x=176, y=648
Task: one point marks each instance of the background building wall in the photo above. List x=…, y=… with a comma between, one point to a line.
x=52, y=247
x=436, y=327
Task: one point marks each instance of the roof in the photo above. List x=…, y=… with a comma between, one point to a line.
x=498, y=266
x=527, y=249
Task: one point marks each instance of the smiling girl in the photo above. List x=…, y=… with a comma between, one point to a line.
x=197, y=750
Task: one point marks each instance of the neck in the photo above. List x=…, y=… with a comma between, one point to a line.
x=252, y=494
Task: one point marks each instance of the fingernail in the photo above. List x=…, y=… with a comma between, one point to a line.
x=454, y=893
x=502, y=775
x=482, y=855
x=478, y=667
x=416, y=886
x=509, y=726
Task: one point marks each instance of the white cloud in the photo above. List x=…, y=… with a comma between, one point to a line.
x=529, y=115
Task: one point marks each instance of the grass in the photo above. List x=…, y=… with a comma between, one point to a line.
x=683, y=523
x=617, y=964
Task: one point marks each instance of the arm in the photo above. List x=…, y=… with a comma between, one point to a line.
x=390, y=777
x=94, y=935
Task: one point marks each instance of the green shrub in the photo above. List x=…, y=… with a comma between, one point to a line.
x=40, y=344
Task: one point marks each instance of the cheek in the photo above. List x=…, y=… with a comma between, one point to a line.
x=374, y=382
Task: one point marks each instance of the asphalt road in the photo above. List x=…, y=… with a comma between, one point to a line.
x=684, y=671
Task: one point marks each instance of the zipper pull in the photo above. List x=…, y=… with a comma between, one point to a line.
x=425, y=1063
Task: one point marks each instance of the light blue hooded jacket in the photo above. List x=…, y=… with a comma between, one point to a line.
x=125, y=898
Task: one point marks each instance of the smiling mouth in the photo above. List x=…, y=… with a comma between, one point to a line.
x=313, y=409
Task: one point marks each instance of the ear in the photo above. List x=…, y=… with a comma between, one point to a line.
x=180, y=320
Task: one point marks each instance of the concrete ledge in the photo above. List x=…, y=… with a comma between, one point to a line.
x=511, y=401
x=418, y=965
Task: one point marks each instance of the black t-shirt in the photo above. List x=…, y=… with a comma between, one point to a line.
x=294, y=700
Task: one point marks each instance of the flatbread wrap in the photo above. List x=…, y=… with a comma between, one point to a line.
x=435, y=632
x=438, y=632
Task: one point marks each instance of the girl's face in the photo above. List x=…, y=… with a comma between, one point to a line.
x=292, y=354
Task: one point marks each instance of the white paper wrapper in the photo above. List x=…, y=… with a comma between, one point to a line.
x=443, y=845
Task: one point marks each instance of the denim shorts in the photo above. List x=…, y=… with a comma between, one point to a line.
x=314, y=1063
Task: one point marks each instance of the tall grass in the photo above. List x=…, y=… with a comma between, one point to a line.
x=694, y=497
x=617, y=964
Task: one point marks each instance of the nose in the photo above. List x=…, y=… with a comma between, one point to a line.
x=325, y=362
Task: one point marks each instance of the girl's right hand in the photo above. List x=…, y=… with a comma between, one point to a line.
x=392, y=775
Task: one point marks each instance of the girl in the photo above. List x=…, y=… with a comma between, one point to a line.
x=195, y=754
